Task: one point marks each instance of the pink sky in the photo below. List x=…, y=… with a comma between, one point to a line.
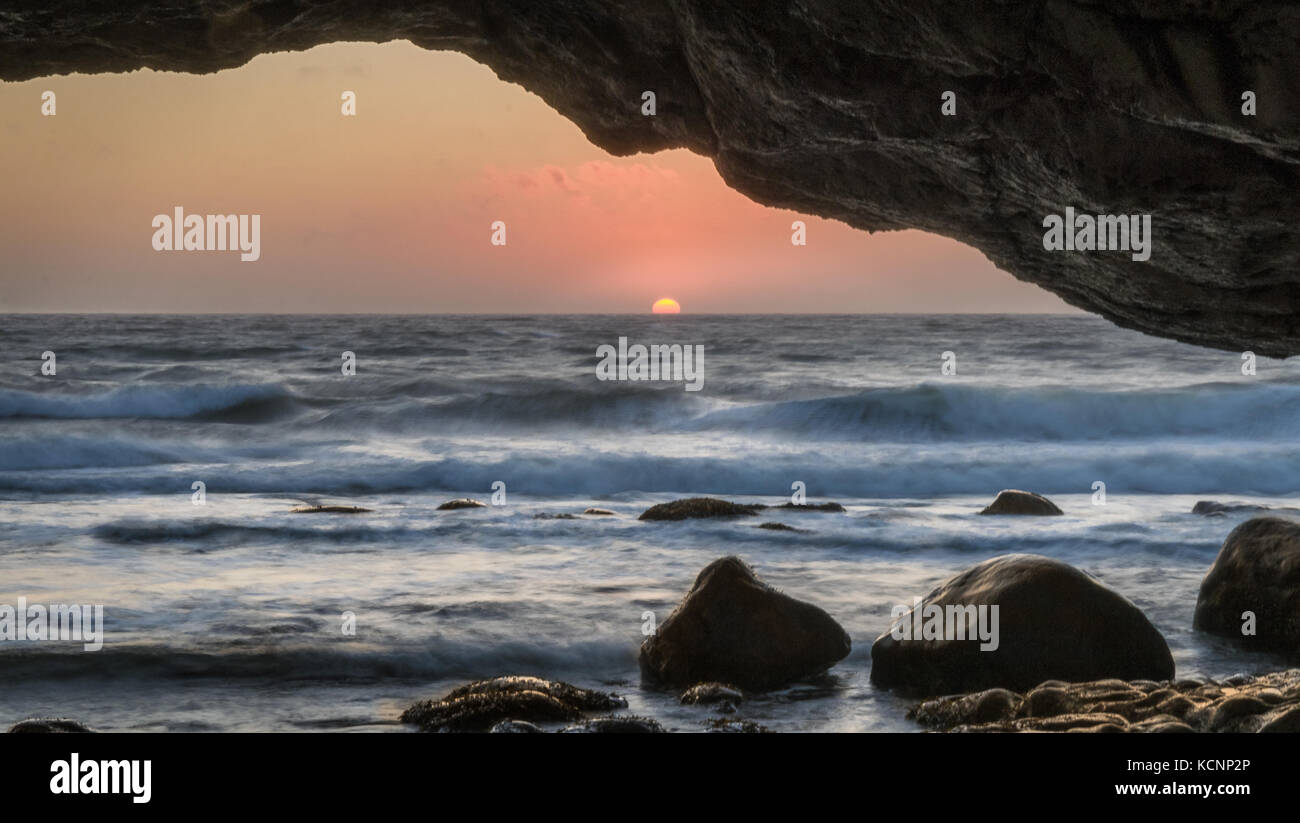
x=391, y=210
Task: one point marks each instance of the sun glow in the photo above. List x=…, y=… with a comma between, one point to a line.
x=666, y=305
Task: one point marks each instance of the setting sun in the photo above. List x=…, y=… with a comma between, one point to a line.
x=666, y=305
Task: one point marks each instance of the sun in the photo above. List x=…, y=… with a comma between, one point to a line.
x=666, y=305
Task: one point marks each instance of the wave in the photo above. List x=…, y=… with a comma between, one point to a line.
x=436, y=659
x=231, y=403
x=1061, y=414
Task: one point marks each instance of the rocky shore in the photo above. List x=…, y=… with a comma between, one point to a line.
x=1016, y=643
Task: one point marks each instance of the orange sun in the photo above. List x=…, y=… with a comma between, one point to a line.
x=666, y=305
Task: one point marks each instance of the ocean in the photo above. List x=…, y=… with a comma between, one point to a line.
x=230, y=615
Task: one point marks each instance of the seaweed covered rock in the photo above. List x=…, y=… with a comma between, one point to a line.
x=1268, y=703
x=483, y=704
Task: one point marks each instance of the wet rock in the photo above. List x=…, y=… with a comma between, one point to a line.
x=697, y=507
x=1257, y=571
x=1267, y=703
x=547, y=516
x=49, y=725
x=1212, y=507
x=328, y=510
x=599, y=512
x=781, y=527
x=1014, y=501
x=462, y=503
x=733, y=628
x=722, y=695
x=480, y=705
x=1053, y=623
x=735, y=725
x=811, y=507
x=622, y=724
x=515, y=727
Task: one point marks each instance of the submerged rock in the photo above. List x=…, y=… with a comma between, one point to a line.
x=1052, y=622
x=599, y=512
x=1014, y=501
x=1213, y=507
x=781, y=527
x=697, y=507
x=49, y=725
x=1268, y=703
x=1257, y=572
x=480, y=705
x=735, y=725
x=462, y=503
x=623, y=724
x=547, y=516
x=733, y=628
x=723, y=695
x=811, y=507
x=328, y=510
x=515, y=727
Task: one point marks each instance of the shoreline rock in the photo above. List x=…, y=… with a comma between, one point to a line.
x=1054, y=622
x=484, y=704
x=1266, y=703
x=329, y=510
x=732, y=628
x=1256, y=572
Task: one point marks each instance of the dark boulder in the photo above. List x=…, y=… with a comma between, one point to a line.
x=733, y=628
x=1014, y=501
x=49, y=725
x=1257, y=571
x=697, y=507
x=1053, y=622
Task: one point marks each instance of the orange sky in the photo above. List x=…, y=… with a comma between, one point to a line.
x=391, y=210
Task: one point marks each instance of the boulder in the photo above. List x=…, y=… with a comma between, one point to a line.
x=1257, y=571
x=697, y=507
x=1014, y=501
x=1053, y=622
x=733, y=628
x=624, y=724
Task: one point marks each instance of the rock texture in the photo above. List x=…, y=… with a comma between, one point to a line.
x=1269, y=703
x=1054, y=623
x=1257, y=571
x=735, y=629
x=833, y=108
x=485, y=704
x=1014, y=501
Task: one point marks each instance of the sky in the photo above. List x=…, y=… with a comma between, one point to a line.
x=392, y=210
